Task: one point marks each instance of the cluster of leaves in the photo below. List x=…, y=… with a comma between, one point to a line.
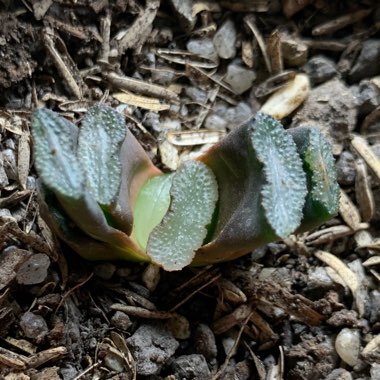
x=101, y=194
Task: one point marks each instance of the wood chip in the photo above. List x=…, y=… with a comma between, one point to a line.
x=137, y=33
x=340, y=22
x=349, y=212
x=364, y=150
x=141, y=312
x=46, y=356
x=347, y=275
x=328, y=235
x=189, y=138
x=372, y=345
x=374, y=260
x=23, y=159
x=12, y=360
x=230, y=320
x=363, y=191
x=152, y=104
x=139, y=86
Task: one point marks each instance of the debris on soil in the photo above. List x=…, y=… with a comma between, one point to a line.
x=184, y=74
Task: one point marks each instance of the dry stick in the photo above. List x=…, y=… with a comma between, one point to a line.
x=195, y=292
x=232, y=350
x=139, y=86
x=87, y=370
x=71, y=291
x=60, y=64
x=250, y=22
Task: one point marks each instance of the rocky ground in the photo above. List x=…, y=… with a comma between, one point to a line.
x=185, y=73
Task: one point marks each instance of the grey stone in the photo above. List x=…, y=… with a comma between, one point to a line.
x=215, y=121
x=331, y=105
x=204, y=342
x=121, y=321
x=105, y=270
x=239, y=78
x=203, y=47
x=367, y=63
x=367, y=96
x=345, y=167
x=34, y=326
x=339, y=374
x=151, y=346
x=184, y=11
x=320, y=69
x=191, y=367
x=33, y=270
x=225, y=40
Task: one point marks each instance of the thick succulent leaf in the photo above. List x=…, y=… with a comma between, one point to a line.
x=322, y=201
x=101, y=134
x=285, y=189
x=194, y=192
x=55, y=146
x=151, y=205
x=86, y=246
x=249, y=175
x=136, y=169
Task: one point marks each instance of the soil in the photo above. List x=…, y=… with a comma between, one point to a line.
x=185, y=73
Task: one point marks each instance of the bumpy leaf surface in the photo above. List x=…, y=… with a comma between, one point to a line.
x=285, y=189
x=322, y=201
x=55, y=146
x=194, y=192
x=100, y=137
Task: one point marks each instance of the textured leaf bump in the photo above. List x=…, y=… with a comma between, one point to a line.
x=194, y=192
x=55, y=146
x=285, y=189
x=322, y=201
x=100, y=137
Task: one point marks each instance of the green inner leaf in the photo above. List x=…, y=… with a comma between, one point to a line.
x=194, y=192
x=100, y=137
x=285, y=189
x=151, y=205
x=322, y=201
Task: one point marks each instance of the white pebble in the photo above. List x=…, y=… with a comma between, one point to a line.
x=225, y=40
x=239, y=78
x=288, y=98
x=202, y=47
x=347, y=345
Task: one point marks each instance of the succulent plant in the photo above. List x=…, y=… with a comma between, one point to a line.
x=101, y=194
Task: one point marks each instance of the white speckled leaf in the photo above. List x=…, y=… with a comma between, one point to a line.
x=285, y=189
x=172, y=244
x=100, y=137
x=322, y=201
x=55, y=144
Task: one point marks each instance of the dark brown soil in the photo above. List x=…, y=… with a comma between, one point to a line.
x=288, y=310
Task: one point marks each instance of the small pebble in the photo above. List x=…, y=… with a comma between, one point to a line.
x=196, y=94
x=33, y=270
x=367, y=96
x=366, y=65
x=169, y=155
x=294, y=52
x=347, y=345
x=339, y=374
x=191, y=367
x=345, y=167
x=121, y=321
x=183, y=9
x=151, y=346
x=225, y=40
x=204, y=342
x=215, y=121
x=284, y=101
x=203, y=47
x=179, y=326
x=10, y=163
x=320, y=69
x=239, y=78
x=34, y=326
x=105, y=270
